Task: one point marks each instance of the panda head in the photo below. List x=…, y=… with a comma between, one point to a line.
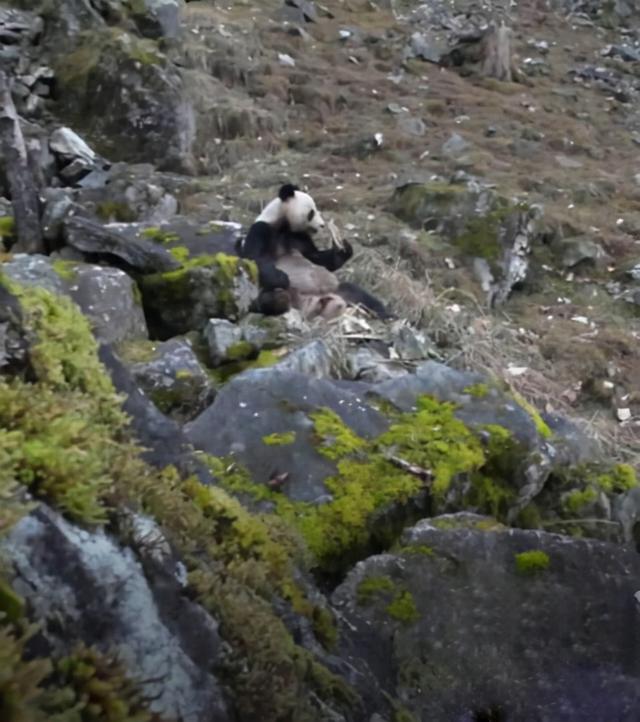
x=295, y=209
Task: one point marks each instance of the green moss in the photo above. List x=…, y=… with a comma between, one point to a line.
x=159, y=236
x=403, y=608
x=367, y=482
x=529, y=517
x=226, y=371
x=541, y=427
x=532, y=562
x=137, y=351
x=478, y=391
x=336, y=439
x=176, y=287
x=417, y=550
x=455, y=522
x=284, y=439
x=324, y=627
x=180, y=253
x=416, y=202
x=115, y=211
x=90, y=686
x=67, y=270
x=12, y=606
x=370, y=587
x=7, y=230
x=240, y=350
x=400, y=603
x=434, y=439
x=489, y=495
x=621, y=478
x=575, y=501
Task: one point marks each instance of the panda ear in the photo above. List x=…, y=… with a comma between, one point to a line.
x=287, y=191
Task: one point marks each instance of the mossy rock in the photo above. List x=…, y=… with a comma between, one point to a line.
x=217, y=286
x=470, y=219
x=126, y=98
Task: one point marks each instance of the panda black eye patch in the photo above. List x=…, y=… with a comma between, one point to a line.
x=311, y=215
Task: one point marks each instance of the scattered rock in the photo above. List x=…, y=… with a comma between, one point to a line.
x=173, y=378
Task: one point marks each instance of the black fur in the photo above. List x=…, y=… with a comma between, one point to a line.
x=287, y=191
x=359, y=297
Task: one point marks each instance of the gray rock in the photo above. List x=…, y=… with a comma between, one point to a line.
x=457, y=625
x=412, y=126
x=221, y=336
x=184, y=300
x=410, y=344
x=34, y=270
x=314, y=359
x=261, y=402
x=568, y=163
x=107, y=296
x=58, y=203
x=69, y=146
x=111, y=301
x=158, y=18
x=427, y=46
x=131, y=96
x=174, y=380
x=580, y=249
x=162, y=437
x=14, y=345
x=366, y=364
x=455, y=145
x=95, y=239
x=165, y=640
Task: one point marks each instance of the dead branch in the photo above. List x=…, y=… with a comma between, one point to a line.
x=24, y=192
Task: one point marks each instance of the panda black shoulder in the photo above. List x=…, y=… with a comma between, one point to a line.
x=259, y=241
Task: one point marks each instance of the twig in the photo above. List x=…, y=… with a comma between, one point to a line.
x=413, y=469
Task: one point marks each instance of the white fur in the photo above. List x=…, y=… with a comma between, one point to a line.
x=295, y=211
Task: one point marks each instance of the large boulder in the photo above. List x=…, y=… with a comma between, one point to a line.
x=217, y=286
x=110, y=597
x=127, y=98
x=469, y=621
x=107, y=296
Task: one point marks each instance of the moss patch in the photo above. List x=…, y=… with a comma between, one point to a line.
x=367, y=482
x=7, y=231
x=157, y=235
x=399, y=603
x=532, y=562
x=284, y=439
x=541, y=426
x=67, y=270
x=403, y=608
x=478, y=391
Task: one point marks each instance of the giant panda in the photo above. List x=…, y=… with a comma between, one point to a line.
x=293, y=272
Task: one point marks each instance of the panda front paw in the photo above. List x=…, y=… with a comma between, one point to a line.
x=344, y=253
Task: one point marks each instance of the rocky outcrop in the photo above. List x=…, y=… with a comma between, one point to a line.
x=466, y=620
